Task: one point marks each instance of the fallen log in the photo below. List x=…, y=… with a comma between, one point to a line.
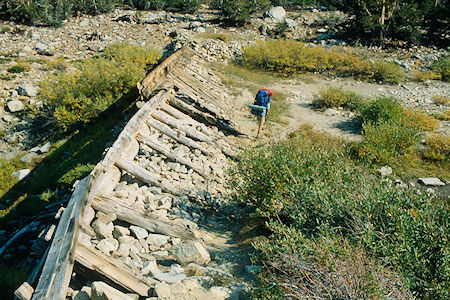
x=113, y=269
x=146, y=176
x=177, y=135
x=109, y=204
x=18, y=235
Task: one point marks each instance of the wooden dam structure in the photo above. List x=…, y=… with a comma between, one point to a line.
x=181, y=129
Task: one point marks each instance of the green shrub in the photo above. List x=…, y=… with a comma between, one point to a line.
x=378, y=110
x=444, y=116
x=78, y=172
x=16, y=69
x=387, y=71
x=306, y=191
x=437, y=147
x=441, y=100
x=442, y=67
x=239, y=12
x=386, y=141
x=6, y=168
x=79, y=95
x=337, y=97
x=421, y=76
x=288, y=56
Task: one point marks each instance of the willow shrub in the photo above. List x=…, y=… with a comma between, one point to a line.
x=337, y=97
x=77, y=96
x=306, y=190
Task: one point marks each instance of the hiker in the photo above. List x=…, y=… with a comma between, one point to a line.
x=261, y=107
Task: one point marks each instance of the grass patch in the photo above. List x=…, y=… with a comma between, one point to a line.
x=421, y=76
x=443, y=116
x=331, y=219
x=7, y=77
x=337, y=97
x=11, y=278
x=437, y=147
x=442, y=67
x=6, y=168
x=440, y=100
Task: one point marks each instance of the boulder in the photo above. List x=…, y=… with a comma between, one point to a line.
x=102, y=291
x=102, y=229
x=163, y=290
x=431, y=181
x=21, y=174
x=150, y=267
x=291, y=23
x=27, y=90
x=169, y=278
x=157, y=240
x=120, y=231
x=40, y=46
x=155, y=18
x=138, y=232
x=385, y=171
x=15, y=106
x=108, y=245
x=275, y=14
x=45, y=148
x=29, y=157
x=191, y=252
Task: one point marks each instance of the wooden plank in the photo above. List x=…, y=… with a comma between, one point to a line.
x=177, y=135
x=113, y=269
x=58, y=266
x=192, y=132
x=146, y=176
x=174, y=123
x=151, y=80
x=161, y=149
x=18, y=235
x=24, y=292
x=108, y=204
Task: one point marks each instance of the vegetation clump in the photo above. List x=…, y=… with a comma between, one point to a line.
x=437, y=147
x=77, y=96
x=442, y=67
x=330, y=219
x=387, y=71
x=337, y=97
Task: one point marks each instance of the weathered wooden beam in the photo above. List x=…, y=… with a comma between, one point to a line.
x=146, y=176
x=161, y=149
x=24, y=291
x=110, y=204
x=58, y=266
x=113, y=269
x=177, y=135
x=174, y=123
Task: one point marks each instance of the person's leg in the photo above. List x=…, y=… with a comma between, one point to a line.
x=261, y=120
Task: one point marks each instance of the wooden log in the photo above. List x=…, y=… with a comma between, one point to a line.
x=161, y=149
x=177, y=135
x=174, y=123
x=24, y=292
x=32, y=278
x=108, y=204
x=146, y=176
x=58, y=266
x=18, y=235
x=192, y=132
x=113, y=269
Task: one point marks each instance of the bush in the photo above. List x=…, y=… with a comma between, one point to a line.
x=188, y=6
x=420, y=120
x=385, y=141
x=442, y=67
x=437, y=147
x=77, y=96
x=337, y=97
x=288, y=56
x=421, y=76
x=305, y=191
x=444, y=116
x=387, y=71
x=441, y=100
x=378, y=110
x=239, y=12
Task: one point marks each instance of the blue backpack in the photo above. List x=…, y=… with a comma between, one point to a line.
x=262, y=98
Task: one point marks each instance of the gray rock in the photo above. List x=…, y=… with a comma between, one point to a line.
x=102, y=291
x=431, y=181
x=150, y=267
x=138, y=232
x=192, y=252
x=108, y=245
x=45, y=148
x=169, y=278
x=102, y=229
x=124, y=249
x=120, y=231
x=157, y=240
x=40, y=46
x=155, y=18
x=331, y=112
x=21, y=174
x=29, y=157
x=89, y=216
x=27, y=90
x=291, y=23
x=163, y=291
x=385, y=171
x=253, y=269
x=276, y=14
x=15, y=106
